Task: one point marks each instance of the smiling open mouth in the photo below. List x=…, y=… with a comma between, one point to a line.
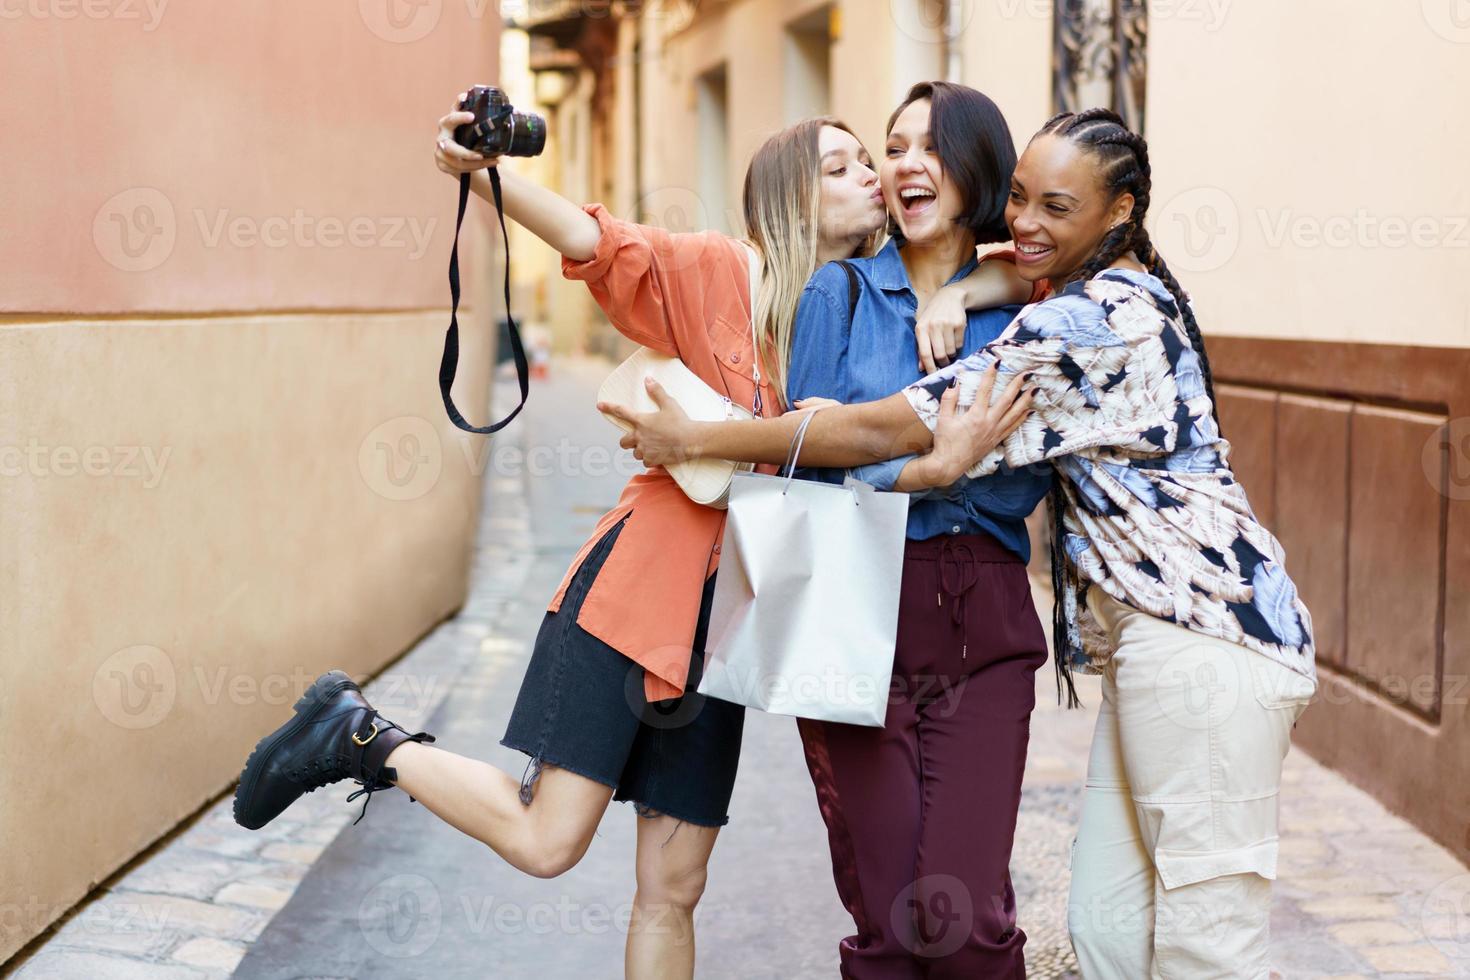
x=915, y=200
x=1030, y=252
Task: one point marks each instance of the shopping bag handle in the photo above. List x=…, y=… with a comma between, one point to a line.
x=794, y=452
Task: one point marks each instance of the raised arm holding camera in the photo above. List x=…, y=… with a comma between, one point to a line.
x=546, y=214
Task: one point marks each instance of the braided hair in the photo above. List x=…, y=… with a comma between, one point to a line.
x=1123, y=166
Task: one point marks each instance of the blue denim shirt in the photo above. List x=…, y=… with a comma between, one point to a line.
x=875, y=356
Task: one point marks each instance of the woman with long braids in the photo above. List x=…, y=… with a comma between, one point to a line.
x=1166, y=583
x=606, y=710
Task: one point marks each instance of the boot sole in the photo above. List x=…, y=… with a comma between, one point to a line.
x=322, y=690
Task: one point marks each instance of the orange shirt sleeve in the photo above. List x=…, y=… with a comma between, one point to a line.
x=651, y=283
x=1039, y=289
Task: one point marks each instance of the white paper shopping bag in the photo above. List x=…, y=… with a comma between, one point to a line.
x=805, y=612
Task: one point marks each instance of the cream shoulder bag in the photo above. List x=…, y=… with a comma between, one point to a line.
x=704, y=481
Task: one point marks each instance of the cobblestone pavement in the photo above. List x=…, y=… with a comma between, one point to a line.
x=1361, y=893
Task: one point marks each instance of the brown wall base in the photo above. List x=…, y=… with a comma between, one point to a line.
x=1357, y=456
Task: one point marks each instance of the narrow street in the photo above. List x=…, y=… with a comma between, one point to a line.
x=403, y=895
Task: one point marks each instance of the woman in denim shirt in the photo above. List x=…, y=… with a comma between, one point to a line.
x=928, y=802
x=1166, y=583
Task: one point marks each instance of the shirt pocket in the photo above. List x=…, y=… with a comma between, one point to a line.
x=734, y=353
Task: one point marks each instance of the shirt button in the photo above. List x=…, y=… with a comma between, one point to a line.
x=955, y=529
x=717, y=549
x=735, y=358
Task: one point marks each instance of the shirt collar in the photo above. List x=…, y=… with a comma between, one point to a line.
x=888, y=273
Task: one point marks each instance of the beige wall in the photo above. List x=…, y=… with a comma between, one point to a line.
x=1007, y=48
x=1290, y=177
x=1304, y=146
x=224, y=466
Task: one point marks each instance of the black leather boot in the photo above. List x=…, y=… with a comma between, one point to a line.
x=334, y=735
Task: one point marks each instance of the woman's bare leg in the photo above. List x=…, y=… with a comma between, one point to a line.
x=673, y=857
x=544, y=839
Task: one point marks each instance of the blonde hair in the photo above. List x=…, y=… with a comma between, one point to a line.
x=782, y=203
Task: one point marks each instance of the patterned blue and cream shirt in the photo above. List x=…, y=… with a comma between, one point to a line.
x=1154, y=516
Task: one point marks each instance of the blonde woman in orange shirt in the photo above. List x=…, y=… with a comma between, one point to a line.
x=607, y=708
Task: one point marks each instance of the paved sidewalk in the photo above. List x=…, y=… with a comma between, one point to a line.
x=1361, y=893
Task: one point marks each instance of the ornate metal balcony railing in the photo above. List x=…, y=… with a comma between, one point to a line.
x=1100, y=57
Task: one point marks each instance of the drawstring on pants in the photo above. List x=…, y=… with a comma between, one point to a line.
x=961, y=558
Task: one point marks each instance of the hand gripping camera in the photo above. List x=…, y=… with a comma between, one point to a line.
x=498, y=130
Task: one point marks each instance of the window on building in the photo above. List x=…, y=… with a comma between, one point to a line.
x=638, y=190
x=808, y=66
x=1100, y=57
x=714, y=147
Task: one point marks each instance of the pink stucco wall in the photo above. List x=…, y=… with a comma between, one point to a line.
x=222, y=242
x=162, y=155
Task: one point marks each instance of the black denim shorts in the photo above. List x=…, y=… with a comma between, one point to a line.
x=582, y=708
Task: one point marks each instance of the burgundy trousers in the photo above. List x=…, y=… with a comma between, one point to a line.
x=921, y=813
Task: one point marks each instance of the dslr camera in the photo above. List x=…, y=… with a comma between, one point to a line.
x=498, y=130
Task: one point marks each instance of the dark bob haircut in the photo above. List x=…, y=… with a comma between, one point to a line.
x=975, y=150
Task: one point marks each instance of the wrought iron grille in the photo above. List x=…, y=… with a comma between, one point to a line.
x=1100, y=57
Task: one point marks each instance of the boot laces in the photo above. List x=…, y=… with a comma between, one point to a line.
x=375, y=780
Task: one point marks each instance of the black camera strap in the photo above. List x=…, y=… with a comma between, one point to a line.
x=450, y=362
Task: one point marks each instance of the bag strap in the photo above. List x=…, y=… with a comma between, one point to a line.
x=794, y=452
x=449, y=363
x=853, y=289
x=753, y=263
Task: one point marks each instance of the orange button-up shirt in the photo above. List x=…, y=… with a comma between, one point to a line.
x=688, y=296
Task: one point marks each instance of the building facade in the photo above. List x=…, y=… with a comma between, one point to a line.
x=1308, y=191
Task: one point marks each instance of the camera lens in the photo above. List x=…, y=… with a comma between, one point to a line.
x=527, y=135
